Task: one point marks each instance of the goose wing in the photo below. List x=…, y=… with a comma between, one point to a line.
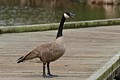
x=49, y=52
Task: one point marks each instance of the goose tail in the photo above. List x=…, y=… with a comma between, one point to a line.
x=30, y=55
x=21, y=59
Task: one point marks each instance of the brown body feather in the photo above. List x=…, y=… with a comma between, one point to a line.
x=46, y=52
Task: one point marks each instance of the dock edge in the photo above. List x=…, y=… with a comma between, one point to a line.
x=109, y=70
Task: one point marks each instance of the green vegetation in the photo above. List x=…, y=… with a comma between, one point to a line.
x=68, y=25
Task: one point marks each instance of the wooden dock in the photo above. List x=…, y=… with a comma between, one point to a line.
x=88, y=49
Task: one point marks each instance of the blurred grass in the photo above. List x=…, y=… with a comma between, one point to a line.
x=54, y=26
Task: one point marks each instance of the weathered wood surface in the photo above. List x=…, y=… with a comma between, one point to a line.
x=88, y=49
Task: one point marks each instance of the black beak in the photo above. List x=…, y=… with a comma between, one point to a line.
x=72, y=15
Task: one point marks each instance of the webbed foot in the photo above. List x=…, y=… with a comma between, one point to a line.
x=52, y=75
x=47, y=76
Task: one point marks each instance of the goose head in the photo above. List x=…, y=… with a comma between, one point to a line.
x=68, y=15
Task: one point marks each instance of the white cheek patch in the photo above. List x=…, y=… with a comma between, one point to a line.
x=66, y=16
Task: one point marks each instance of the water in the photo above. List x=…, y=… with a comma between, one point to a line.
x=28, y=12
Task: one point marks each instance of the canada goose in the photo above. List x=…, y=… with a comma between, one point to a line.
x=51, y=51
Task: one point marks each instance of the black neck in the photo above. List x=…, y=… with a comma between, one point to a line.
x=60, y=29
